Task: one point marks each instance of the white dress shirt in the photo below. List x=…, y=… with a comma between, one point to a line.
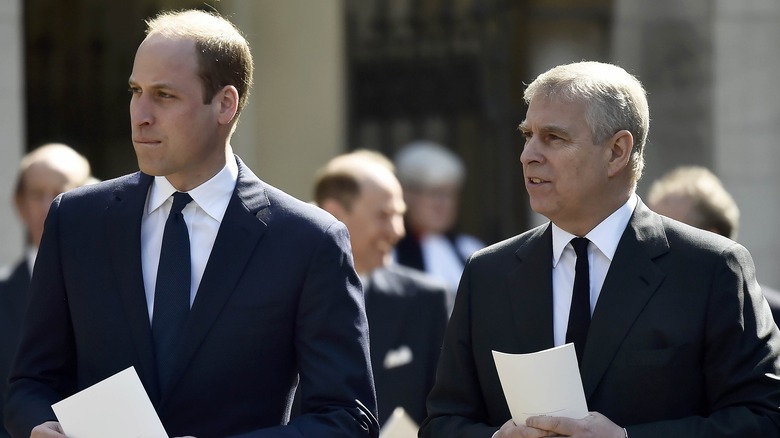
x=203, y=216
x=441, y=260
x=604, y=240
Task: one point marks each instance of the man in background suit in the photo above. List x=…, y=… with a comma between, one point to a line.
x=407, y=310
x=678, y=340
x=695, y=196
x=44, y=173
x=270, y=296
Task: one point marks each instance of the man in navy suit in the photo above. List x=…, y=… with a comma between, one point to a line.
x=675, y=337
x=407, y=310
x=274, y=300
x=44, y=173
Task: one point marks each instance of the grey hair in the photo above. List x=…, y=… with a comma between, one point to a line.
x=614, y=100
x=424, y=163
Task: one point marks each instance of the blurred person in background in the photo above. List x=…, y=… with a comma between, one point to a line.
x=432, y=177
x=43, y=174
x=695, y=196
x=407, y=310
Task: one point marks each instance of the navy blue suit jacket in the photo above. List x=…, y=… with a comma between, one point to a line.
x=681, y=344
x=279, y=298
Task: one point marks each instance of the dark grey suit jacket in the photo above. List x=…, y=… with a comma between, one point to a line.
x=407, y=313
x=279, y=297
x=681, y=343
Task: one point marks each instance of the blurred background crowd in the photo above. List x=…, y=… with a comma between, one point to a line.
x=337, y=75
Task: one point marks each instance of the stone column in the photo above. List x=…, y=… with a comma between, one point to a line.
x=710, y=68
x=296, y=117
x=11, y=126
x=667, y=44
x=746, y=125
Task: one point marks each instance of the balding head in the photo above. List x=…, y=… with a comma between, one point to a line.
x=361, y=190
x=44, y=173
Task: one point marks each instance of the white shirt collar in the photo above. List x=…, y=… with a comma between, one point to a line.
x=213, y=196
x=605, y=236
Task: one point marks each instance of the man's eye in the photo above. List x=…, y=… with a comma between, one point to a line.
x=134, y=90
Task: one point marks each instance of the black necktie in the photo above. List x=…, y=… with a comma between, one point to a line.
x=579, y=312
x=172, y=290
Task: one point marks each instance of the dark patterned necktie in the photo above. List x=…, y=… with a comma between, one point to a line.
x=579, y=312
x=172, y=290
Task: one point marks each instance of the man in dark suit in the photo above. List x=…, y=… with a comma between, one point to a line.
x=676, y=339
x=270, y=295
x=44, y=173
x=407, y=310
x=695, y=196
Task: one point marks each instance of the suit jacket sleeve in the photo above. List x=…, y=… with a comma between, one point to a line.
x=43, y=372
x=332, y=343
x=336, y=384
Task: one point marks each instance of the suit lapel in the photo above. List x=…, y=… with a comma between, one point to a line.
x=242, y=226
x=122, y=228
x=631, y=281
x=530, y=292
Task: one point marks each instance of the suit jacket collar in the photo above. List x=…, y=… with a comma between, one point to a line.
x=122, y=227
x=534, y=306
x=245, y=221
x=631, y=281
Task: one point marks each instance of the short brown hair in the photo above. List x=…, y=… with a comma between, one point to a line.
x=223, y=53
x=713, y=207
x=340, y=180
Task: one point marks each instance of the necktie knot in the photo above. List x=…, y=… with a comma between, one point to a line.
x=580, y=245
x=180, y=200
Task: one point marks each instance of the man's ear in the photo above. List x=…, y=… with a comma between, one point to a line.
x=620, y=146
x=227, y=98
x=334, y=207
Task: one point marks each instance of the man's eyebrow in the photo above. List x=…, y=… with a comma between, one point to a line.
x=158, y=85
x=523, y=127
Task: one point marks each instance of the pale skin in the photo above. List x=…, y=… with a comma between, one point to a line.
x=43, y=181
x=375, y=218
x=570, y=180
x=594, y=425
x=175, y=134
